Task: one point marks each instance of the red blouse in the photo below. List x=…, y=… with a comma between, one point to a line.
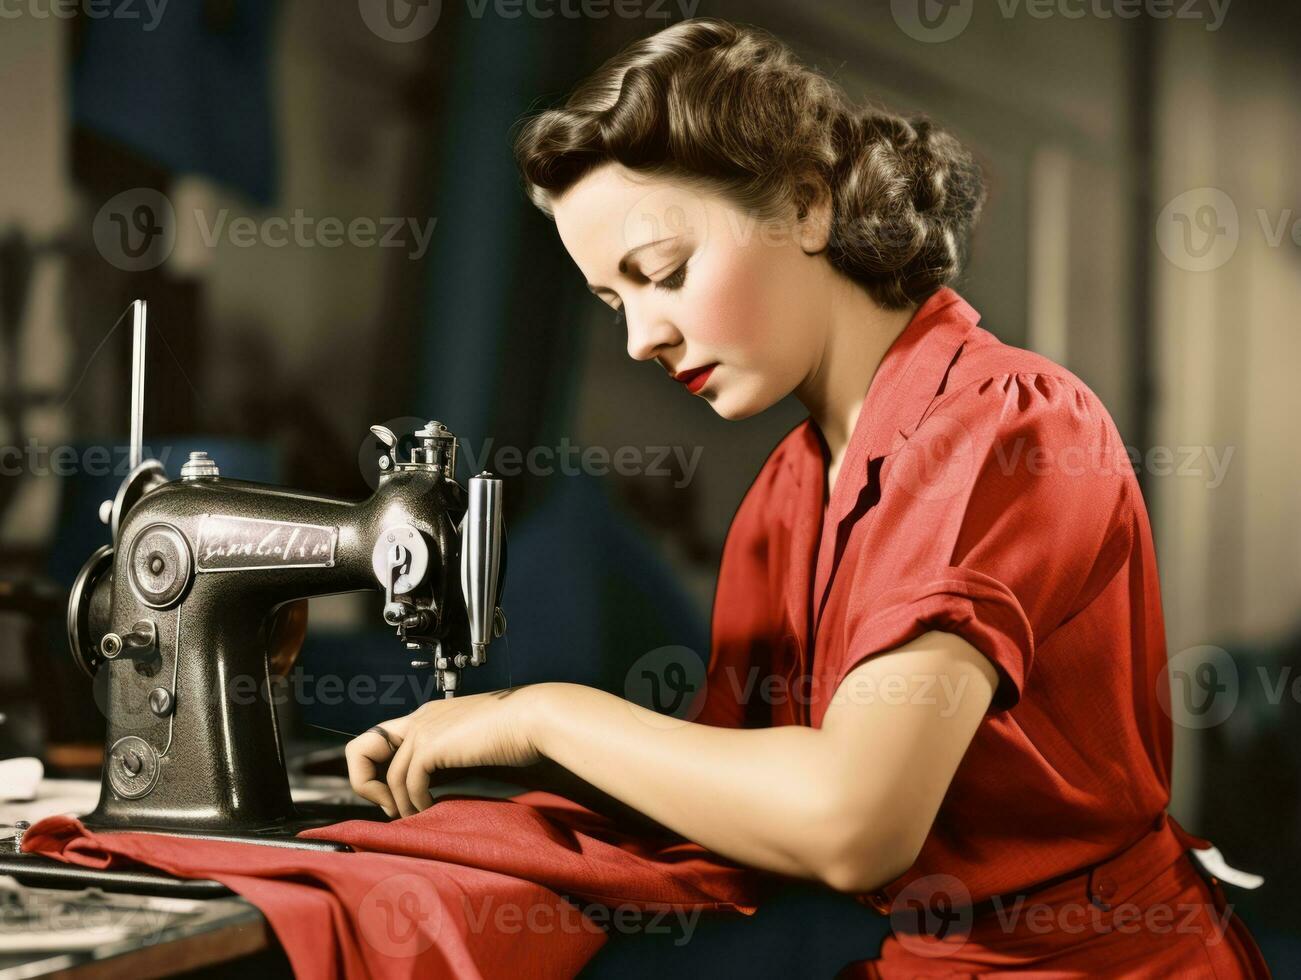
x=985, y=492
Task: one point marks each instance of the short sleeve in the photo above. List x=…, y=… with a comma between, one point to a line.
x=1005, y=513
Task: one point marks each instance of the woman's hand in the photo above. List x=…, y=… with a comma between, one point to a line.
x=458, y=733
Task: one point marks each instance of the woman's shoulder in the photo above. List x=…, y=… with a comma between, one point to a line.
x=1014, y=425
x=1024, y=387
x=983, y=355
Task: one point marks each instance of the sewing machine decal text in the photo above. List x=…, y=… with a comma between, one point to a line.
x=227, y=544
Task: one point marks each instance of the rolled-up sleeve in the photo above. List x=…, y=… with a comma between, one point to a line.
x=1003, y=514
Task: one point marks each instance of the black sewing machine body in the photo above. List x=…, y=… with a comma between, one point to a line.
x=179, y=615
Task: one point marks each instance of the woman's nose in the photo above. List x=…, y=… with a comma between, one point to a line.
x=648, y=334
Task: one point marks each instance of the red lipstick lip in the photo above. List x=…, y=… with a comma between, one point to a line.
x=695, y=378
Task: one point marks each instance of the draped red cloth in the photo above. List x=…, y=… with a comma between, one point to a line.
x=466, y=888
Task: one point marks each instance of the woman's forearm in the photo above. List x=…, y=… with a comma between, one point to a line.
x=848, y=803
x=767, y=798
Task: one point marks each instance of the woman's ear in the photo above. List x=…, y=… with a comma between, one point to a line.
x=813, y=215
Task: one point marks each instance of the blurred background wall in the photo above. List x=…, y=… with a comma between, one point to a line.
x=1141, y=229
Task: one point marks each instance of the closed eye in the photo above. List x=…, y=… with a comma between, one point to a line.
x=675, y=281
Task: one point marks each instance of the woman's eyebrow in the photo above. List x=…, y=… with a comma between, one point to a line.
x=623, y=262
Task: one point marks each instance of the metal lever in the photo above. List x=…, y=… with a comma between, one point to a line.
x=143, y=636
x=390, y=441
x=481, y=562
x=397, y=561
x=139, y=317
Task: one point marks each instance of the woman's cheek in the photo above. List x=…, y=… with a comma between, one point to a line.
x=730, y=315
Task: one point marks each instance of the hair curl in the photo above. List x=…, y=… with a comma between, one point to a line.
x=729, y=108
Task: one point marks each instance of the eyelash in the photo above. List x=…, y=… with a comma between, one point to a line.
x=678, y=279
x=674, y=281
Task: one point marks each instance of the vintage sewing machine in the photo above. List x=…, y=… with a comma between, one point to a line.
x=184, y=603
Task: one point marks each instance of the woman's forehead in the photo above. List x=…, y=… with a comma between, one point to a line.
x=611, y=211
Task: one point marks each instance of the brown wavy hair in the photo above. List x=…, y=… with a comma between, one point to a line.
x=728, y=108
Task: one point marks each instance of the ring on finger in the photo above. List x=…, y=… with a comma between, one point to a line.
x=379, y=730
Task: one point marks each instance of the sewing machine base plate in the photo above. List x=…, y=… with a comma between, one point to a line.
x=35, y=869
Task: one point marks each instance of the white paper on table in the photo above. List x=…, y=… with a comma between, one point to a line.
x=19, y=778
x=75, y=796
x=61, y=940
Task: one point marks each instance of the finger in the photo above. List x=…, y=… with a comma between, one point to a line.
x=397, y=777
x=418, y=782
x=396, y=728
x=393, y=736
x=371, y=788
x=367, y=755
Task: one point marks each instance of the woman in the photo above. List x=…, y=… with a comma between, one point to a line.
x=937, y=634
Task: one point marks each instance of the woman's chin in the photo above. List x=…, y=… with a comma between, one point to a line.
x=732, y=408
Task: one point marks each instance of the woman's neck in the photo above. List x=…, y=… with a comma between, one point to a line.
x=857, y=339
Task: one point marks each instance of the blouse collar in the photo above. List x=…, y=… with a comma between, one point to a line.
x=903, y=387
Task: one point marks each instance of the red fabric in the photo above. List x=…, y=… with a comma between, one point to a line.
x=467, y=888
x=985, y=492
